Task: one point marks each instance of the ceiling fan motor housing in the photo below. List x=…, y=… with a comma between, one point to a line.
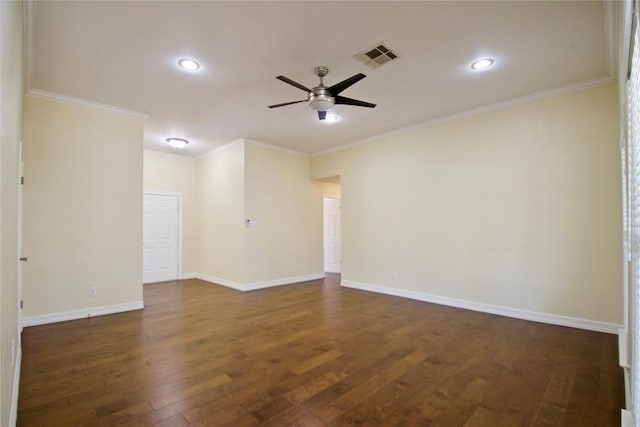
x=320, y=99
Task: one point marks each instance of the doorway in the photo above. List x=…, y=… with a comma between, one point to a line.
x=22, y=259
x=331, y=230
x=161, y=237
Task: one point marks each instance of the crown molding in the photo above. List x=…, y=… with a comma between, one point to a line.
x=575, y=87
x=275, y=147
x=29, y=43
x=251, y=142
x=37, y=93
x=167, y=154
x=220, y=148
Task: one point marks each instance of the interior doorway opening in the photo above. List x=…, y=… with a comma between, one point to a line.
x=331, y=224
x=331, y=234
x=161, y=241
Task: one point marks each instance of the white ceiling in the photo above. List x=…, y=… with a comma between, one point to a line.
x=124, y=54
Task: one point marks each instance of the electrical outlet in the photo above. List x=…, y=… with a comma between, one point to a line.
x=394, y=276
x=93, y=292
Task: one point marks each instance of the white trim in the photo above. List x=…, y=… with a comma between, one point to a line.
x=63, y=316
x=623, y=352
x=20, y=248
x=474, y=112
x=162, y=193
x=250, y=142
x=172, y=155
x=283, y=281
x=572, y=322
x=179, y=196
x=219, y=281
x=244, y=287
x=626, y=418
x=90, y=104
x=275, y=147
x=623, y=361
x=220, y=148
x=187, y=276
x=13, y=414
x=626, y=373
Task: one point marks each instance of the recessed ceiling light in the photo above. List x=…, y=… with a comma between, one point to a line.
x=177, y=143
x=188, y=64
x=332, y=118
x=482, y=64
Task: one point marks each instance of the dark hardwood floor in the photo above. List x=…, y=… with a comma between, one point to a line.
x=313, y=354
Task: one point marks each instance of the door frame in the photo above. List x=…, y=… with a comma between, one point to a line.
x=324, y=243
x=20, y=248
x=179, y=196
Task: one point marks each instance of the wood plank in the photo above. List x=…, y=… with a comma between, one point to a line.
x=313, y=354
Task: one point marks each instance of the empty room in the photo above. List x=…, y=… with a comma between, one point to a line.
x=215, y=214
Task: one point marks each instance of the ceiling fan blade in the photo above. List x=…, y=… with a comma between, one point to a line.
x=348, y=101
x=286, y=103
x=339, y=87
x=322, y=115
x=292, y=83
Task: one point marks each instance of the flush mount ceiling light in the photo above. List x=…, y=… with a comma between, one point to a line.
x=177, y=143
x=332, y=118
x=482, y=64
x=188, y=64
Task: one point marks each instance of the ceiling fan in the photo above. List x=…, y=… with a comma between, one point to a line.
x=322, y=98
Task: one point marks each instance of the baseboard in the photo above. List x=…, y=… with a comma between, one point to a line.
x=219, y=281
x=572, y=322
x=82, y=313
x=284, y=281
x=244, y=287
x=626, y=418
x=13, y=415
x=187, y=276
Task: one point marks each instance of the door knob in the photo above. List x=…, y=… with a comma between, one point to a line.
x=24, y=258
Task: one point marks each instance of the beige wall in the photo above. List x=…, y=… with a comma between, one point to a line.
x=286, y=206
x=11, y=98
x=220, y=195
x=328, y=188
x=82, y=207
x=249, y=180
x=177, y=174
x=518, y=208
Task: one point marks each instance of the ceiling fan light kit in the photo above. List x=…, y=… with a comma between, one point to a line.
x=322, y=98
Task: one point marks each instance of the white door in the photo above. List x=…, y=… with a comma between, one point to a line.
x=160, y=238
x=331, y=230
